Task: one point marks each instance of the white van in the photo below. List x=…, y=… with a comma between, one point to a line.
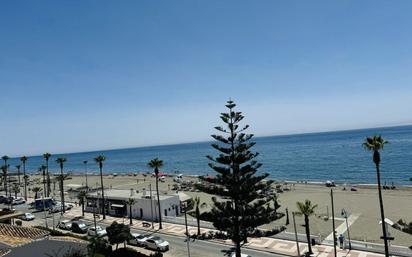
x=178, y=178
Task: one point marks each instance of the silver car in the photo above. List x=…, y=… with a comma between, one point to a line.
x=99, y=231
x=156, y=243
x=65, y=224
x=138, y=239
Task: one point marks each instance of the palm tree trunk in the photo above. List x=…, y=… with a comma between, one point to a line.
x=48, y=178
x=101, y=182
x=83, y=208
x=18, y=174
x=308, y=234
x=44, y=184
x=25, y=181
x=382, y=211
x=158, y=201
x=62, y=189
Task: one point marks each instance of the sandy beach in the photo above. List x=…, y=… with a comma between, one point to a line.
x=362, y=204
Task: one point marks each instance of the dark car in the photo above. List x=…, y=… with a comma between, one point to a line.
x=79, y=227
x=6, y=199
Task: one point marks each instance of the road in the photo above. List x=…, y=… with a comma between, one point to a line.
x=178, y=244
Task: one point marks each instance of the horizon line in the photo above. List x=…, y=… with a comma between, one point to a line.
x=206, y=141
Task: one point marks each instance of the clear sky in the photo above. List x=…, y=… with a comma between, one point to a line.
x=91, y=75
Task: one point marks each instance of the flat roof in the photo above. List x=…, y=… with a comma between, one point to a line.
x=123, y=194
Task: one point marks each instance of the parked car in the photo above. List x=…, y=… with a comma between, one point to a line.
x=6, y=199
x=79, y=227
x=99, y=231
x=156, y=243
x=67, y=206
x=137, y=239
x=18, y=200
x=65, y=224
x=3, y=198
x=27, y=216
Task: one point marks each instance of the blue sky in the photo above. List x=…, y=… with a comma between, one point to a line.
x=90, y=75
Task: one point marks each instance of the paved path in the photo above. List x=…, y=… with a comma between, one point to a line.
x=267, y=244
x=341, y=229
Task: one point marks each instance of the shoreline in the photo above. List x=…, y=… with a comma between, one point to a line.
x=277, y=181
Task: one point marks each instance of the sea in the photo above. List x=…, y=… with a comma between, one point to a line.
x=312, y=157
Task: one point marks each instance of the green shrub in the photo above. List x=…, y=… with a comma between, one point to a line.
x=19, y=222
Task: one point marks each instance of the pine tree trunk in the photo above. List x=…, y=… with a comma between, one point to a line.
x=382, y=211
x=131, y=222
x=238, y=254
x=308, y=234
x=198, y=220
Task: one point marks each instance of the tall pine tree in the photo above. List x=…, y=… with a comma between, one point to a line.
x=243, y=203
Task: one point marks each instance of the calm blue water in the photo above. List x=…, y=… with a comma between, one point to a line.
x=335, y=156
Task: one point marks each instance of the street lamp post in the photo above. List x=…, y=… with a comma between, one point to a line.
x=296, y=234
x=344, y=213
x=333, y=223
x=151, y=203
x=187, y=232
x=44, y=210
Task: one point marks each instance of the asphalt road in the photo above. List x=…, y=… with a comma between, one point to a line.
x=178, y=244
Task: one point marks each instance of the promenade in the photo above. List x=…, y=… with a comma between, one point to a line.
x=267, y=244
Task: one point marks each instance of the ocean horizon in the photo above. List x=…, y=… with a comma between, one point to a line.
x=312, y=157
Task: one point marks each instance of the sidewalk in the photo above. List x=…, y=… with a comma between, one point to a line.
x=264, y=244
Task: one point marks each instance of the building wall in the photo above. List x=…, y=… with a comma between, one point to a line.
x=142, y=209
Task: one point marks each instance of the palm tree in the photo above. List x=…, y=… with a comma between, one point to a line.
x=130, y=202
x=4, y=177
x=81, y=196
x=198, y=204
x=47, y=156
x=18, y=172
x=307, y=209
x=61, y=162
x=61, y=178
x=85, y=165
x=23, y=159
x=375, y=144
x=36, y=190
x=156, y=164
x=15, y=189
x=99, y=160
x=43, y=170
x=5, y=158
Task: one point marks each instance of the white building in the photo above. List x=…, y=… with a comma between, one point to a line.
x=144, y=207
